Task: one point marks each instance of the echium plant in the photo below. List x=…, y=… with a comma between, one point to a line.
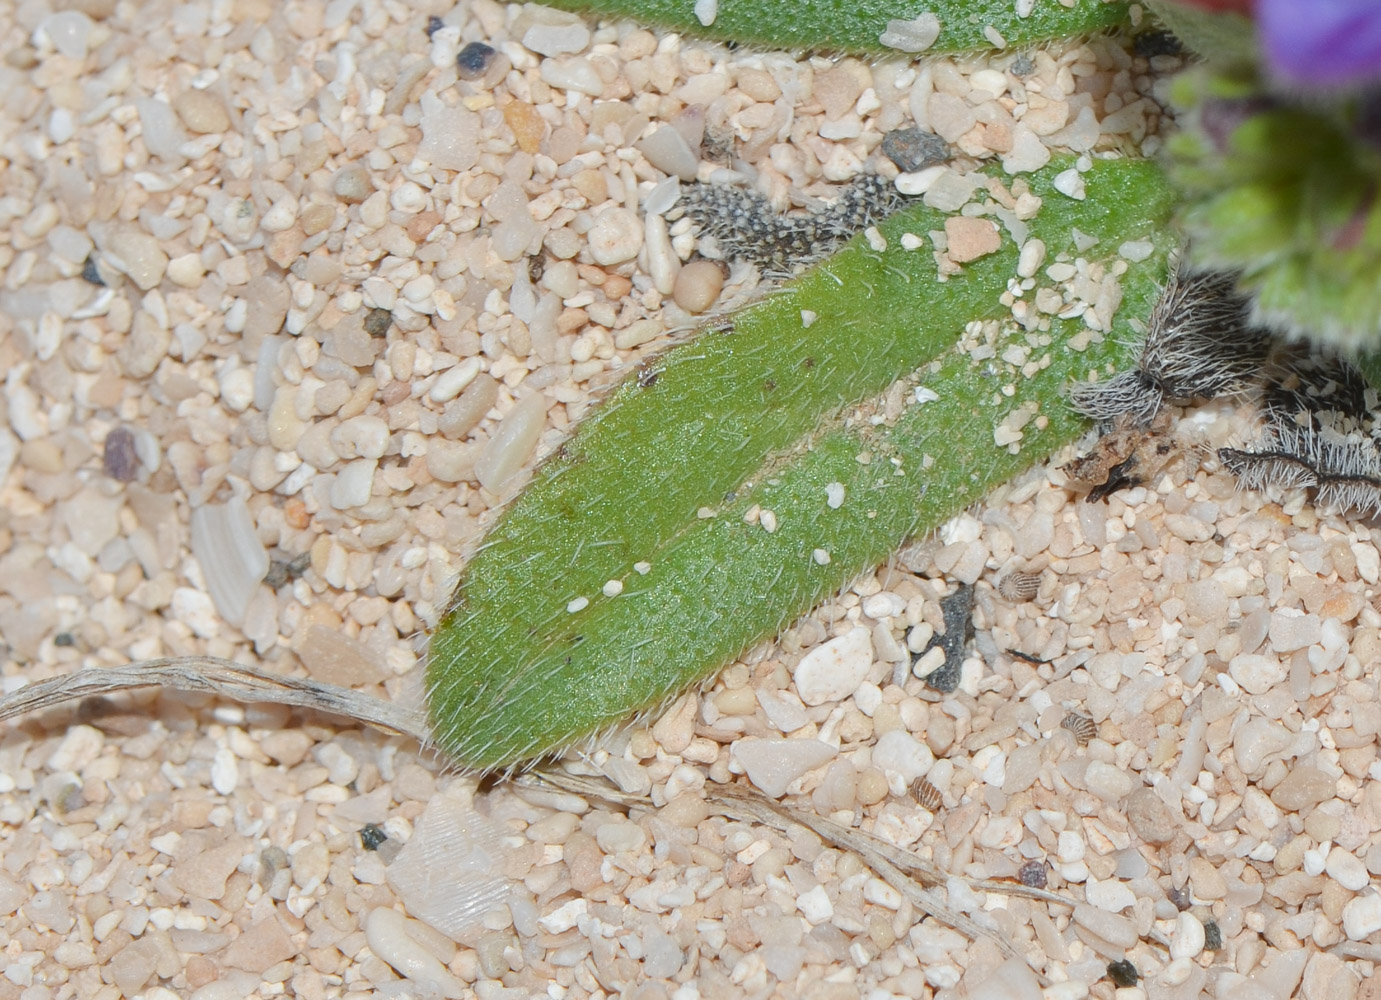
x=703, y=508
x=737, y=480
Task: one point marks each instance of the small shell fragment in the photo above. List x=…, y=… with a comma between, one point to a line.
x=1017, y=586
x=1081, y=726
x=927, y=796
x=1032, y=874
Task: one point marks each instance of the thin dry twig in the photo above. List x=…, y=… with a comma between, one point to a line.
x=217, y=676
x=891, y=863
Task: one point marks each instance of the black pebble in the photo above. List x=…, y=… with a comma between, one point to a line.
x=1156, y=43
x=434, y=24
x=372, y=836
x=913, y=149
x=1179, y=896
x=473, y=61
x=1213, y=936
x=1123, y=973
x=120, y=460
x=282, y=573
x=91, y=273
x=377, y=322
x=958, y=611
x=64, y=639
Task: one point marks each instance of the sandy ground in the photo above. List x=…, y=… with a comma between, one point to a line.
x=273, y=263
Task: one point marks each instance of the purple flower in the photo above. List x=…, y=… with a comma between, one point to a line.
x=1324, y=43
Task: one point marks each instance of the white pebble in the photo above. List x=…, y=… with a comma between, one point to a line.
x=821, y=556
x=280, y=216
x=667, y=150
x=1255, y=673
x=1114, y=929
x=1136, y=250
x=1292, y=629
x=876, y=241
x=1031, y=259
x=138, y=255
x=876, y=891
x=564, y=917
x=883, y=605
x=557, y=39
x=808, y=318
x=911, y=36
x=1362, y=916
x=450, y=136
x=1012, y=980
x=453, y=380
x=921, y=181
x=79, y=747
x=612, y=588
x=61, y=126
x=1189, y=938
x=768, y=520
x=1177, y=971
x=706, y=11
x=512, y=442
x=815, y=906
x=195, y=610
x=833, y=671
x=1027, y=153
x=225, y=771
x=901, y=753
x=1111, y=784
x=616, y=236
x=662, y=262
x=993, y=81
x=386, y=933
x=577, y=604
x=773, y=764
x=354, y=484
x=1347, y=870
x=1070, y=182
x=362, y=436
x=1108, y=894
x=69, y=31
x=834, y=495
x=573, y=73
x=1368, y=561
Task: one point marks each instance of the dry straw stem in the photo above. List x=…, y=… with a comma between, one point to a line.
x=221, y=677
x=909, y=874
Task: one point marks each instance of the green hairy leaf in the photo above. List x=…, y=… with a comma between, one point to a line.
x=632, y=568
x=858, y=25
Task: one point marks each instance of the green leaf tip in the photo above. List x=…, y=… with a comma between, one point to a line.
x=685, y=519
x=859, y=26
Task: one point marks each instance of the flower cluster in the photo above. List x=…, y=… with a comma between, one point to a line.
x=1320, y=43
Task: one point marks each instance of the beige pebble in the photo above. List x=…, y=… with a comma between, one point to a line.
x=186, y=270
x=617, y=236
x=138, y=255
x=201, y=112
x=971, y=238
x=698, y=286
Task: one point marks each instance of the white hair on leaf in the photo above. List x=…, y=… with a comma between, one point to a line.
x=1199, y=345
